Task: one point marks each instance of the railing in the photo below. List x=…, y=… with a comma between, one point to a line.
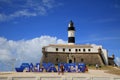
x=60, y=78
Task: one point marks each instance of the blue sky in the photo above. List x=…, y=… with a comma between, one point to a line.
x=46, y=21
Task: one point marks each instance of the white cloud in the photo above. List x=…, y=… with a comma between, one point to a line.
x=48, y=3
x=3, y=17
x=4, y=55
x=25, y=8
x=60, y=41
x=22, y=13
x=23, y=50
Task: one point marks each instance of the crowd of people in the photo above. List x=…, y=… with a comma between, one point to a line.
x=97, y=66
x=62, y=70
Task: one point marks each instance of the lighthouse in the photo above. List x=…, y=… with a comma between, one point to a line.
x=71, y=33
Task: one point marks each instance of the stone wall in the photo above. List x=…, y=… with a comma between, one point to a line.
x=88, y=58
x=111, y=61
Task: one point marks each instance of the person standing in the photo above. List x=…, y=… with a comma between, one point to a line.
x=97, y=66
x=61, y=69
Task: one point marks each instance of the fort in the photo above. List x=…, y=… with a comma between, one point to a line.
x=75, y=53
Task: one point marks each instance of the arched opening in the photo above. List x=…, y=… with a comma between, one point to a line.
x=70, y=61
x=57, y=60
x=82, y=60
x=74, y=60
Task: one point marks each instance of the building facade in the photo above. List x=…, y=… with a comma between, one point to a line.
x=74, y=53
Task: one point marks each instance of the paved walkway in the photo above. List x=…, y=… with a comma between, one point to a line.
x=90, y=73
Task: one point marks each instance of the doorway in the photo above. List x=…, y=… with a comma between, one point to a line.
x=70, y=61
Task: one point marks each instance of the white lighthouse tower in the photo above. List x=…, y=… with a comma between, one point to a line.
x=71, y=33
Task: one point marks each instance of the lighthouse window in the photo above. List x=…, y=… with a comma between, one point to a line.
x=56, y=49
x=84, y=50
x=63, y=49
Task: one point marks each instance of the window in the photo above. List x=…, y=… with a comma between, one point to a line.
x=89, y=50
x=63, y=49
x=57, y=59
x=79, y=49
x=76, y=50
x=69, y=49
x=56, y=49
x=84, y=50
x=82, y=60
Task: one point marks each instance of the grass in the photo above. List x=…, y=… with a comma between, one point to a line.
x=108, y=69
x=114, y=70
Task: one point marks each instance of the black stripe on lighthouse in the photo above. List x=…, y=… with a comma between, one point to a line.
x=71, y=28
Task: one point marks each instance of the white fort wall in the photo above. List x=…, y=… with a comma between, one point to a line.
x=72, y=50
x=69, y=49
x=105, y=55
x=104, y=52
